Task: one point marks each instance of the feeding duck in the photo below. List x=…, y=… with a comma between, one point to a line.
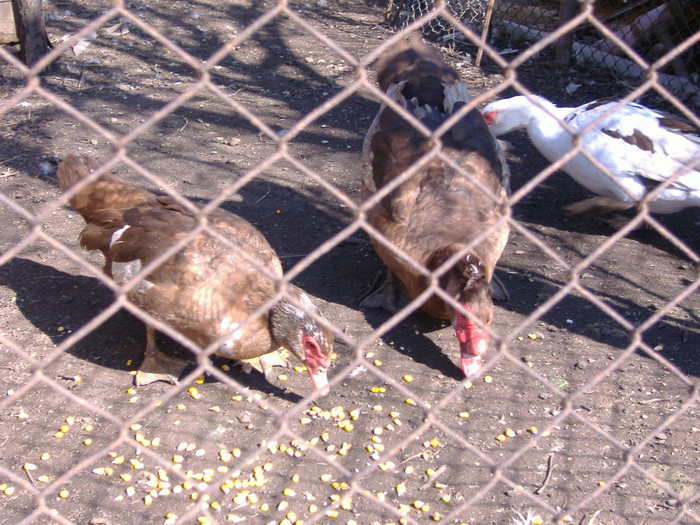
x=210, y=290
x=449, y=219
x=640, y=147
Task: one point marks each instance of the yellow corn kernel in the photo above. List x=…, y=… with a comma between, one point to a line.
x=410, y=401
x=63, y=493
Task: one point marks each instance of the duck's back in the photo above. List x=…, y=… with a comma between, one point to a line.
x=439, y=205
x=210, y=285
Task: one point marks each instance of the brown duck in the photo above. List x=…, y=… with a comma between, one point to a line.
x=208, y=290
x=450, y=222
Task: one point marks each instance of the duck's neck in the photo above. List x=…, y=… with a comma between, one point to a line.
x=544, y=129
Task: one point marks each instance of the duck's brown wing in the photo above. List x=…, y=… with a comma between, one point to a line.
x=208, y=287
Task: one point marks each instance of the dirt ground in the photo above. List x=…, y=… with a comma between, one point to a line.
x=572, y=421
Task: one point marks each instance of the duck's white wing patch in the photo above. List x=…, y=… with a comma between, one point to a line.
x=125, y=271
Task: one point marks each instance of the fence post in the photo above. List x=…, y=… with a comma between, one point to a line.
x=567, y=10
x=29, y=21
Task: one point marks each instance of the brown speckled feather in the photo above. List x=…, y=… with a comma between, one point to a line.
x=207, y=286
x=439, y=210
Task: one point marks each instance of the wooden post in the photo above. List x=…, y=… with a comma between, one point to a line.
x=567, y=10
x=29, y=21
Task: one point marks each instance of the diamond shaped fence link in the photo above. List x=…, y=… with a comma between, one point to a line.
x=369, y=481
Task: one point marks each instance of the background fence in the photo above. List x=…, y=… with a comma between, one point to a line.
x=587, y=411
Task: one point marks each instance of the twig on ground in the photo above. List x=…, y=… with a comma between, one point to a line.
x=550, y=467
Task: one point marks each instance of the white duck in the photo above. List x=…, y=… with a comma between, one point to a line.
x=640, y=147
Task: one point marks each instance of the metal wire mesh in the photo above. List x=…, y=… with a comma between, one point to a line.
x=649, y=29
x=470, y=12
x=400, y=444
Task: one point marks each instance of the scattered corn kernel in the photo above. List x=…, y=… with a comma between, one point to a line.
x=63, y=493
x=434, y=442
x=401, y=489
x=8, y=491
x=410, y=401
x=29, y=466
x=501, y=437
x=488, y=379
x=216, y=409
x=464, y=414
x=43, y=479
x=325, y=477
x=533, y=430
x=126, y=477
x=446, y=498
x=509, y=432
x=87, y=441
x=408, y=378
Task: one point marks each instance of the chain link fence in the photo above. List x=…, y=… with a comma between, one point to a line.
x=587, y=408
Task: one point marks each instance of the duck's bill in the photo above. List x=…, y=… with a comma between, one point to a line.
x=471, y=365
x=320, y=381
